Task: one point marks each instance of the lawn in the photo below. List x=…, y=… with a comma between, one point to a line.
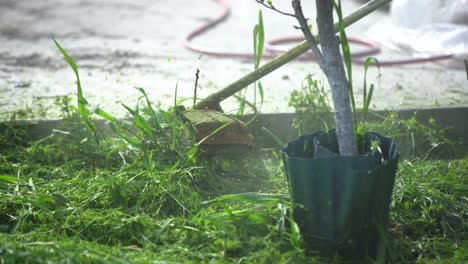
x=142, y=192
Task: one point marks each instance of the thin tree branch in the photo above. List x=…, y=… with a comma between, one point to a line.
x=272, y=7
x=299, y=15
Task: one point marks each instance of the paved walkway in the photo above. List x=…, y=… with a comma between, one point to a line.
x=122, y=44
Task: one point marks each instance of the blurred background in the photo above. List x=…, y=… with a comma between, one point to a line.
x=119, y=45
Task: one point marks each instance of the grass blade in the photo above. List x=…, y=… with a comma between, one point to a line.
x=142, y=124
x=117, y=127
x=252, y=197
x=105, y=115
x=367, y=102
x=152, y=112
x=10, y=179
x=347, y=57
x=243, y=102
x=82, y=103
x=259, y=40
x=261, y=93
x=275, y=138
x=214, y=132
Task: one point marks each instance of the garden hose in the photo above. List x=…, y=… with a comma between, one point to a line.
x=272, y=49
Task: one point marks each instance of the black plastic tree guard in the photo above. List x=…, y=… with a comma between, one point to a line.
x=342, y=202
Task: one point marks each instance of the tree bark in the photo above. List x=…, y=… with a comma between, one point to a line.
x=336, y=76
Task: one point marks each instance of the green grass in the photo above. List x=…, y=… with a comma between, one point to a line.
x=65, y=199
x=142, y=193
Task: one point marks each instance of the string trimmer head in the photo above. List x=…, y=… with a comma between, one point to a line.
x=217, y=132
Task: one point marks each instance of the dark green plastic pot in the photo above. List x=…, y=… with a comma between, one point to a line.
x=342, y=201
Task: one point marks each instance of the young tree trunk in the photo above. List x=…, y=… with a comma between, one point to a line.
x=330, y=61
x=335, y=72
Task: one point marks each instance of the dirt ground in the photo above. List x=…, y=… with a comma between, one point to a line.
x=119, y=45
